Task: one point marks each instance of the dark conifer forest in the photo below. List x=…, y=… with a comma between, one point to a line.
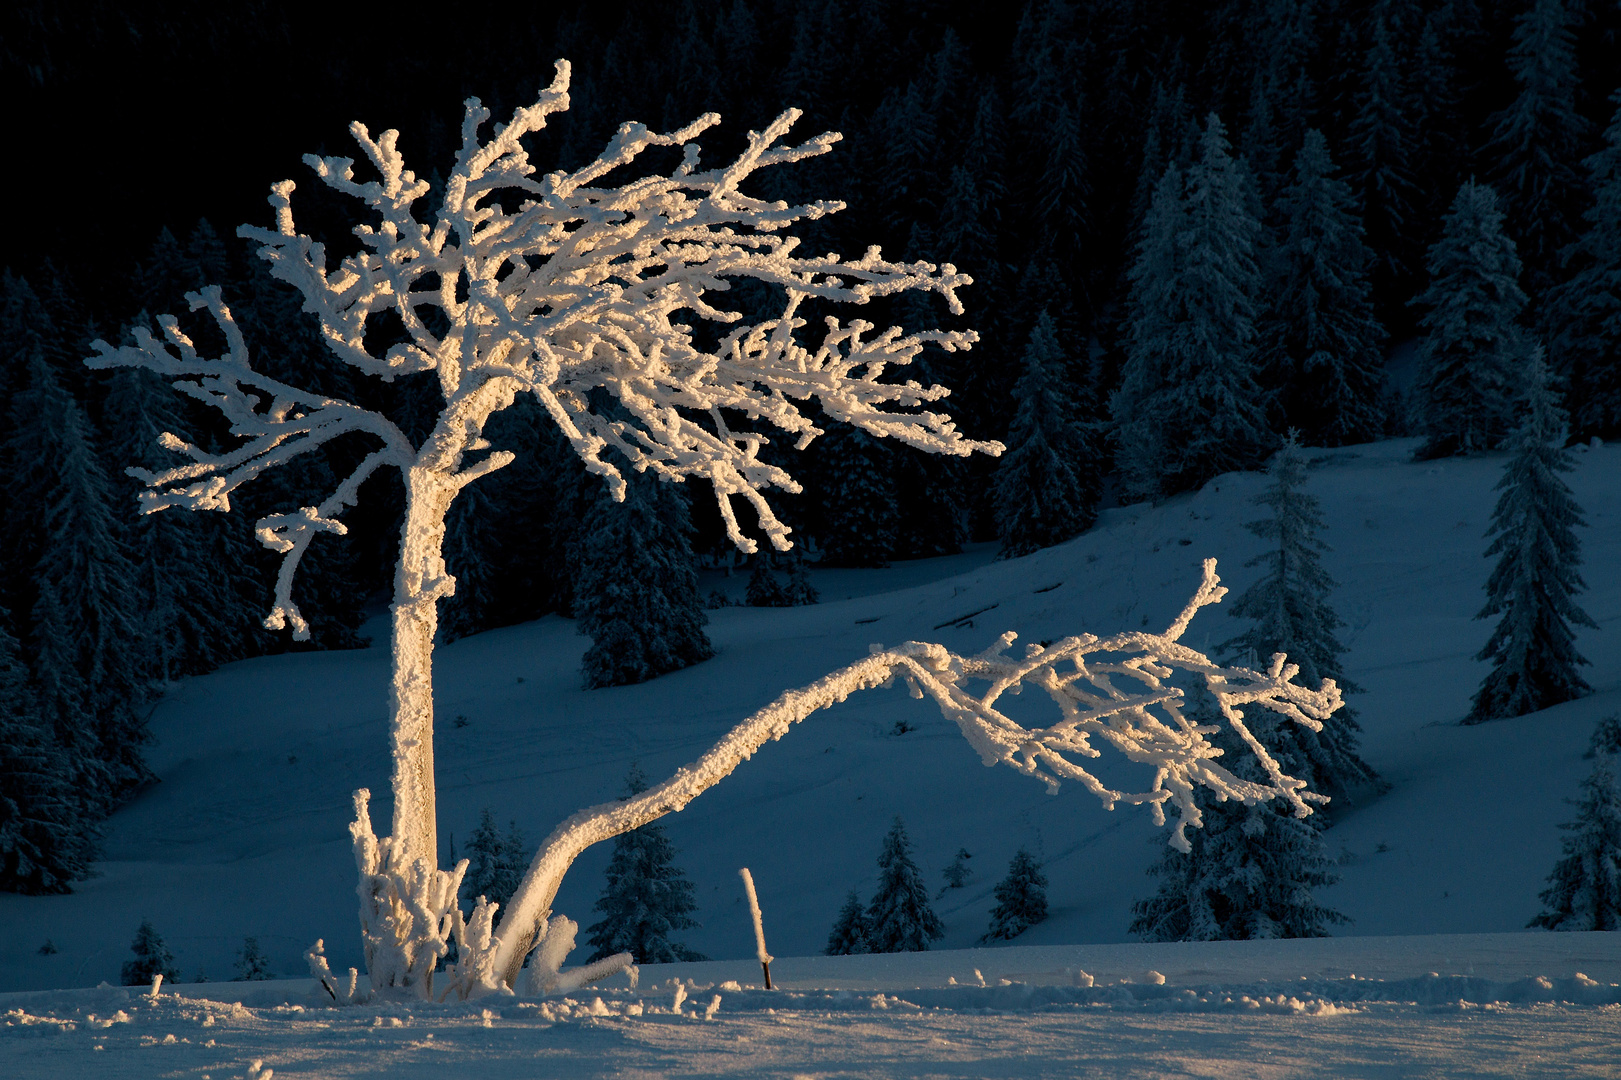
x=1193, y=225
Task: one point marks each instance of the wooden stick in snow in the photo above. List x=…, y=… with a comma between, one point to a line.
x=759, y=928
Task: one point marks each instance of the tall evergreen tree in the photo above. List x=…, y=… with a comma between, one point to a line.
x=646, y=896
x=1533, y=649
x=1320, y=339
x=1047, y=482
x=46, y=842
x=1584, y=313
x=900, y=918
x=636, y=592
x=1537, y=142
x=1189, y=407
x=83, y=638
x=1292, y=615
x=1584, y=889
x=849, y=934
x=1472, y=352
x=1379, y=149
x=1021, y=899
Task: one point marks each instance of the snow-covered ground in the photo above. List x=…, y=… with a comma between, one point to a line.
x=246, y=835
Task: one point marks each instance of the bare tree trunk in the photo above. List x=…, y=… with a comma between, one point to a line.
x=419, y=581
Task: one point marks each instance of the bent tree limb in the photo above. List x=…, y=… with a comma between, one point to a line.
x=1114, y=690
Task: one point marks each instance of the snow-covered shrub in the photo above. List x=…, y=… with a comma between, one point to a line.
x=900, y=917
x=957, y=872
x=1021, y=898
x=251, y=963
x=152, y=958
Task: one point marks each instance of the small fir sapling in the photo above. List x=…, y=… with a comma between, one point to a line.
x=1021, y=899
x=1472, y=354
x=1584, y=889
x=900, y=918
x=646, y=896
x=957, y=873
x=251, y=963
x=1291, y=614
x=495, y=863
x=152, y=958
x=850, y=933
x=764, y=589
x=1533, y=648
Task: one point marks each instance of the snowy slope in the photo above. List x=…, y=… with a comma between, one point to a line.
x=246, y=833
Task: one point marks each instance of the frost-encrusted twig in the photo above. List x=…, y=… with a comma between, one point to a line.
x=1115, y=690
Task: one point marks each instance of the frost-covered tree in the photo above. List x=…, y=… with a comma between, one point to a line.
x=46, y=840
x=1472, y=351
x=646, y=897
x=1583, y=314
x=1047, y=481
x=859, y=516
x=767, y=589
x=1584, y=889
x=1189, y=407
x=1538, y=141
x=1291, y=614
x=636, y=592
x=252, y=965
x=1533, y=648
x=1021, y=899
x=152, y=957
x=849, y=934
x=1320, y=341
x=576, y=291
x=899, y=916
x=1606, y=737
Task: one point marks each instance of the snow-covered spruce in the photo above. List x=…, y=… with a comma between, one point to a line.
x=1472, y=353
x=1584, y=890
x=1021, y=899
x=849, y=934
x=495, y=863
x=645, y=897
x=560, y=287
x=251, y=963
x=1291, y=612
x=152, y=957
x=1533, y=648
x=899, y=916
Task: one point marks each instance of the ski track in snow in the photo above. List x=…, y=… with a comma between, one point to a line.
x=246, y=834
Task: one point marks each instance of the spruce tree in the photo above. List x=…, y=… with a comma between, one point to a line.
x=636, y=592
x=495, y=863
x=1472, y=351
x=1584, y=889
x=764, y=590
x=1380, y=145
x=957, y=872
x=859, y=520
x=1533, y=649
x=1189, y=407
x=1606, y=737
x=251, y=963
x=1252, y=869
x=46, y=841
x=1584, y=313
x=1537, y=142
x=646, y=896
x=900, y=918
x=152, y=958
x=849, y=935
x=1021, y=899
x=1321, y=343
x=1048, y=479
x=1292, y=615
